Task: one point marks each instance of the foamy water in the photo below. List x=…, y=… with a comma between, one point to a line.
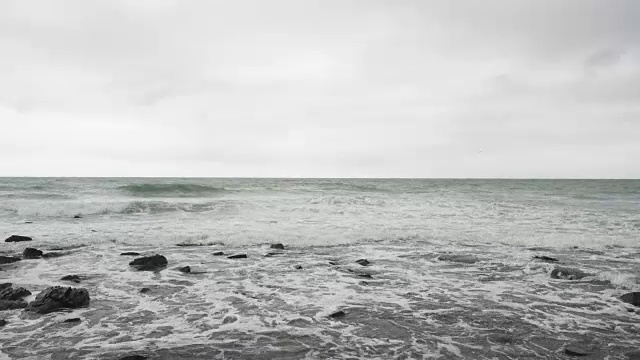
x=495, y=302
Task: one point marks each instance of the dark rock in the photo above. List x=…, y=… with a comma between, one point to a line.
x=218, y=253
x=57, y=297
x=134, y=357
x=72, y=320
x=28, y=222
x=150, y=263
x=5, y=285
x=364, y=283
x=298, y=267
x=632, y=298
x=277, y=246
x=74, y=278
x=189, y=244
x=145, y=290
x=8, y=259
x=3, y=322
x=337, y=314
x=31, y=253
x=9, y=293
x=185, y=269
x=465, y=259
x=129, y=253
x=229, y=319
x=17, y=238
x=574, y=350
x=568, y=273
x=238, y=256
x=273, y=254
x=363, y=262
x=52, y=255
x=364, y=275
x=12, y=304
x=545, y=258
x=77, y=217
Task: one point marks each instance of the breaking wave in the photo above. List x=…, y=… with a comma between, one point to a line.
x=171, y=190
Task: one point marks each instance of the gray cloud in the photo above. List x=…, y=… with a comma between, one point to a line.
x=320, y=88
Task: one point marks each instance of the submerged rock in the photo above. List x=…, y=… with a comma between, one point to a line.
x=363, y=262
x=337, y=314
x=74, y=278
x=277, y=246
x=77, y=217
x=273, y=254
x=145, y=290
x=545, y=258
x=150, y=263
x=3, y=322
x=573, y=350
x=73, y=320
x=298, y=267
x=568, y=273
x=185, y=269
x=632, y=298
x=238, y=256
x=12, y=304
x=31, y=253
x=8, y=259
x=129, y=253
x=465, y=259
x=57, y=297
x=17, y=238
x=134, y=357
x=52, y=255
x=218, y=253
x=9, y=293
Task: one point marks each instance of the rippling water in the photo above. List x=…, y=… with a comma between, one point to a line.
x=492, y=301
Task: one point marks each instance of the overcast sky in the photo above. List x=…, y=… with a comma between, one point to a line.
x=331, y=88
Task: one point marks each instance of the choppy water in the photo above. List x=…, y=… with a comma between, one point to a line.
x=503, y=305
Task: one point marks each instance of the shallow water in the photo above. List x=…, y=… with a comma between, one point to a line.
x=492, y=301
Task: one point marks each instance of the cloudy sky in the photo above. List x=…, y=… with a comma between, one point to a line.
x=320, y=88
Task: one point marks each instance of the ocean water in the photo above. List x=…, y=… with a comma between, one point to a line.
x=451, y=273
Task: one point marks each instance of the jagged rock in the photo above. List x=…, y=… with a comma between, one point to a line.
x=218, y=253
x=9, y=293
x=185, y=269
x=150, y=263
x=465, y=259
x=12, y=304
x=337, y=314
x=31, y=253
x=363, y=262
x=17, y=238
x=73, y=320
x=57, y=297
x=74, y=278
x=129, y=253
x=632, y=298
x=238, y=256
x=298, y=267
x=545, y=258
x=8, y=259
x=5, y=285
x=568, y=273
x=277, y=246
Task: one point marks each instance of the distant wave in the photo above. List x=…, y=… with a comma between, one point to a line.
x=171, y=190
x=159, y=207
x=27, y=195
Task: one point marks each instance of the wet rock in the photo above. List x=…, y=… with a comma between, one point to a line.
x=134, y=357
x=3, y=322
x=31, y=253
x=74, y=278
x=145, y=290
x=73, y=320
x=52, y=255
x=57, y=297
x=632, y=298
x=363, y=262
x=150, y=263
x=333, y=263
x=218, y=253
x=8, y=259
x=298, y=267
x=465, y=259
x=28, y=222
x=238, y=256
x=364, y=275
x=277, y=246
x=77, y=217
x=129, y=253
x=229, y=319
x=575, y=350
x=9, y=293
x=545, y=258
x=17, y=238
x=337, y=314
x=568, y=273
x=5, y=285
x=363, y=283
x=185, y=269
x=190, y=244
x=273, y=254
x=12, y=304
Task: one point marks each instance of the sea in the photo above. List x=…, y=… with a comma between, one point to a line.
x=455, y=268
